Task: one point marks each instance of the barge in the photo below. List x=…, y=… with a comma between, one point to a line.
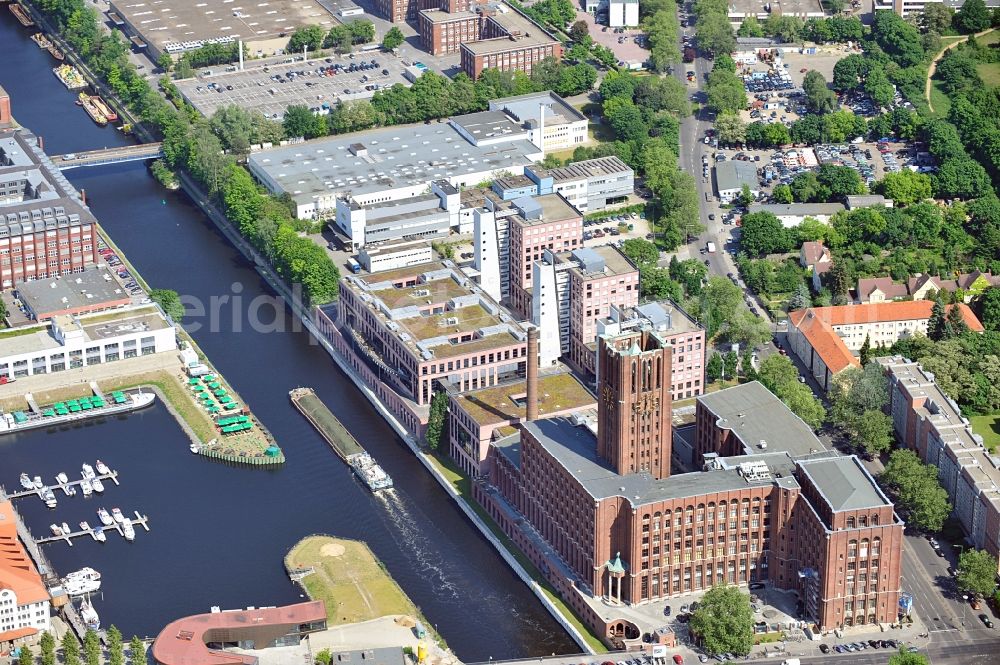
x=62, y=413
x=343, y=443
x=70, y=77
x=87, y=102
x=21, y=14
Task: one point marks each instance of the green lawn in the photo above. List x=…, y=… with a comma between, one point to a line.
x=939, y=100
x=987, y=427
x=990, y=73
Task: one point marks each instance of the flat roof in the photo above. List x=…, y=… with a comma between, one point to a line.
x=38, y=337
x=91, y=288
x=588, y=168
x=844, y=483
x=402, y=156
x=754, y=415
x=164, y=22
x=599, y=261
x=488, y=124
x=557, y=393
x=554, y=208
x=527, y=108
x=441, y=16
x=666, y=317
x=779, y=209
x=526, y=33
x=800, y=8
x=733, y=175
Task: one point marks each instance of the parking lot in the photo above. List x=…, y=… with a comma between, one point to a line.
x=628, y=45
x=121, y=273
x=319, y=84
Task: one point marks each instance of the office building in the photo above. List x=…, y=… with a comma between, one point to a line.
x=572, y=291
x=46, y=230
x=930, y=423
x=623, y=13
x=68, y=341
x=684, y=335
x=93, y=290
x=546, y=113
x=444, y=32
x=24, y=600
x=395, y=255
x=426, y=324
x=730, y=177
x=541, y=223
x=825, y=338
x=420, y=217
x=393, y=163
x=590, y=185
x=509, y=41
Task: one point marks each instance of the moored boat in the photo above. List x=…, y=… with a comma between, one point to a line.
x=84, y=526
x=86, y=573
x=48, y=497
x=37, y=482
x=65, y=528
x=102, y=468
x=56, y=529
x=128, y=531
x=97, y=485
x=92, y=110
x=70, y=490
x=105, y=517
x=89, y=616
x=104, y=108
x=21, y=14
x=70, y=77
x=87, y=487
x=78, y=586
x=40, y=39
x=26, y=482
x=67, y=412
x=116, y=513
x=99, y=534
x=88, y=472
x=62, y=477
x=55, y=52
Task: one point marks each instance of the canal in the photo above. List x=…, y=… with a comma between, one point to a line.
x=219, y=533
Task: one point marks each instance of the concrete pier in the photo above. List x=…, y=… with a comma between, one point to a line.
x=112, y=476
x=138, y=520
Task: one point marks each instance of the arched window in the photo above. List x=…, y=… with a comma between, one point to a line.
x=850, y=522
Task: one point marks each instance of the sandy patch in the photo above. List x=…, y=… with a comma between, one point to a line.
x=332, y=549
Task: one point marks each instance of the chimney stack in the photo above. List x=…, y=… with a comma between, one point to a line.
x=83, y=196
x=532, y=398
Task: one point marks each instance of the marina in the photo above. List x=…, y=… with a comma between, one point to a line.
x=125, y=528
x=67, y=486
x=345, y=445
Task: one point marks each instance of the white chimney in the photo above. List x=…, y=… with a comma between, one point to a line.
x=240, y=44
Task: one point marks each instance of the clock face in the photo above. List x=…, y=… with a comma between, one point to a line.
x=609, y=393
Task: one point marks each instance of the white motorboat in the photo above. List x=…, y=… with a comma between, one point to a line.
x=102, y=468
x=37, y=483
x=26, y=482
x=70, y=490
x=105, y=517
x=86, y=573
x=80, y=586
x=194, y=448
x=89, y=616
x=117, y=514
x=87, y=487
x=97, y=485
x=48, y=497
x=88, y=472
x=56, y=530
x=65, y=527
x=128, y=531
x=62, y=478
x=99, y=534
x=84, y=526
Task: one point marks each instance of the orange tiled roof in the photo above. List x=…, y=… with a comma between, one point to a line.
x=826, y=343
x=17, y=634
x=17, y=572
x=881, y=312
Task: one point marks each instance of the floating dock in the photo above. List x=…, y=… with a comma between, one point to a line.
x=140, y=520
x=111, y=475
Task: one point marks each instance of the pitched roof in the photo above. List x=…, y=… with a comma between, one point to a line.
x=881, y=312
x=968, y=279
x=888, y=287
x=914, y=284
x=17, y=572
x=813, y=251
x=825, y=342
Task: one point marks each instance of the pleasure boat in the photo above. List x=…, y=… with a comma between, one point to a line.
x=62, y=478
x=26, y=482
x=65, y=528
x=84, y=526
x=99, y=534
x=88, y=472
x=128, y=531
x=117, y=514
x=97, y=485
x=89, y=616
x=79, y=586
x=37, y=483
x=70, y=490
x=87, y=487
x=56, y=530
x=48, y=497
x=105, y=517
x=102, y=468
x=86, y=573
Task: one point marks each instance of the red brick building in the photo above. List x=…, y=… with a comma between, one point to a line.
x=444, y=32
x=769, y=504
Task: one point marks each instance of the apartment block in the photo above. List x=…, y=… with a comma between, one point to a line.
x=929, y=422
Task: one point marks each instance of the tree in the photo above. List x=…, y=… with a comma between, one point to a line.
x=310, y=36
x=840, y=282
x=918, y=490
x=977, y=573
x=840, y=181
x=48, y=647
x=904, y=657
x=782, y=194
x=721, y=300
x=873, y=432
x=723, y=621
x=989, y=307
x=801, y=298
x=775, y=371
x=972, y=17
x=730, y=128
x=70, y=649
x=954, y=323
x=642, y=252
x=116, y=655
x=748, y=330
x=715, y=34
x=25, y=657
x=714, y=367
x=578, y=31
x=961, y=178
x=137, y=651
x=936, y=324
x=936, y=17
x=91, y=648
x=170, y=302
x=905, y=187
x=300, y=121
x=437, y=421
x=763, y=233
x=730, y=364
x=392, y=39
x=324, y=657
x=818, y=96
x=865, y=353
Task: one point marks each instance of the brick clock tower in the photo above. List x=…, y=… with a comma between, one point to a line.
x=634, y=408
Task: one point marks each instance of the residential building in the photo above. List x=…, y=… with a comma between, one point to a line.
x=540, y=223
x=867, y=201
x=203, y=638
x=825, y=338
x=389, y=164
x=924, y=287
x=46, y=230
x=572, y=291
x=478, y=417
x=684, y=335
x=546, y=113
x=426, y=324
x=597, y=507
x=623, y=13
x=419, y=217
x=69, y=341
x=395, y=255
x=93, y=290
x=23, y=597
x=509, y=41
x=590, y=185
x=879, y=289
x=730, y=178
x=793, y=214
x=817, y=259
x=929, y=422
